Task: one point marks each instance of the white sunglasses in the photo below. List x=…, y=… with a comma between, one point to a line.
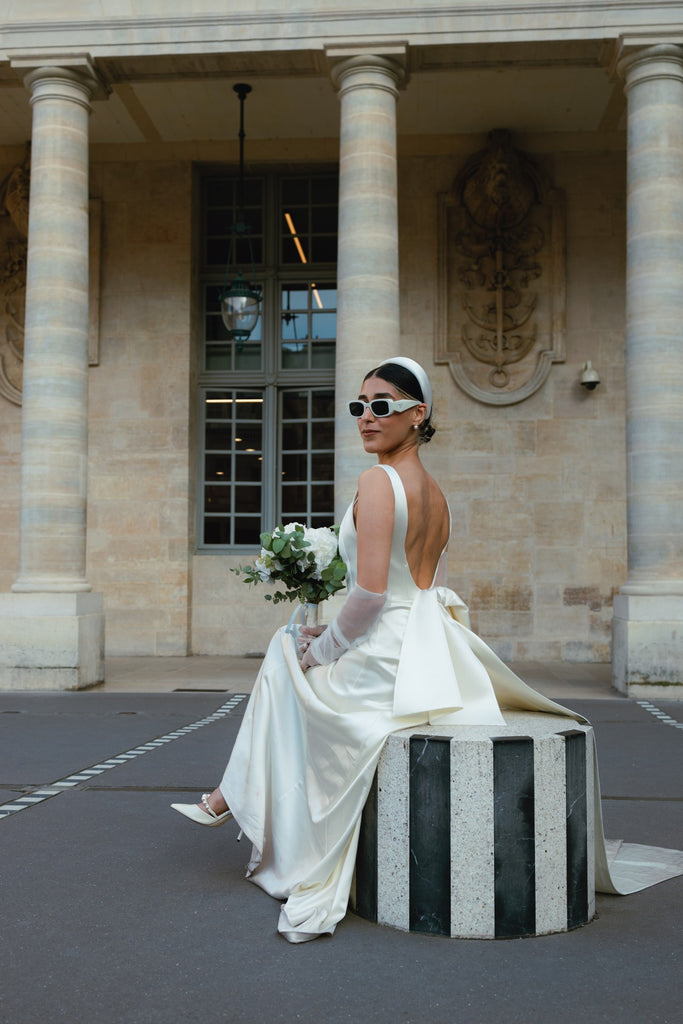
x=381, y=407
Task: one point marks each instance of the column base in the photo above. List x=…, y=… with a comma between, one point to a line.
x=647, y=646
x=51, y=641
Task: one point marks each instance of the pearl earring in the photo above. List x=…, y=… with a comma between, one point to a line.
x=416, y=426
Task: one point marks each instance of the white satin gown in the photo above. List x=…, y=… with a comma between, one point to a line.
x=305, y=756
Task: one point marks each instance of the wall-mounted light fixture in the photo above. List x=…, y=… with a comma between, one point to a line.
x=590, y=378
x=241, y=301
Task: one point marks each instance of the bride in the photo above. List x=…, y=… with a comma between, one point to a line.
x=395, y=656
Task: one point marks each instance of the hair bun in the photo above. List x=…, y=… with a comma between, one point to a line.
x=426, y=432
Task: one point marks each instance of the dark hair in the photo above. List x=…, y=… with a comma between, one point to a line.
x=405, y=382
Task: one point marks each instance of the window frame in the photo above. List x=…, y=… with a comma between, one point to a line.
x=271, y=379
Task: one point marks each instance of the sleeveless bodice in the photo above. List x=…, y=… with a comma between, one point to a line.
x=401, y=585
x=420, y=628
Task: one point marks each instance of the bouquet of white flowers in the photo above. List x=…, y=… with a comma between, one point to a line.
x=304, y=560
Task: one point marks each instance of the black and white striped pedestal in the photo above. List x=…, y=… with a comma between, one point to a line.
x=481, y=832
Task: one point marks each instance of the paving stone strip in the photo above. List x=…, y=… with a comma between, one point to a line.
x=658, y=713
x=37, y=796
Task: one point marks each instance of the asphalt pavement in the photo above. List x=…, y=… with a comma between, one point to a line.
x=115, y=910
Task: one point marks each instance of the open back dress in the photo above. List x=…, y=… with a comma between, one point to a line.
x=306, y=753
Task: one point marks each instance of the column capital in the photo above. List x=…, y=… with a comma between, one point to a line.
x=355, y=67
x=62, y=70
x=662, y=60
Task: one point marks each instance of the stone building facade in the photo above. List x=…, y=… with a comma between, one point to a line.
x=509, y=187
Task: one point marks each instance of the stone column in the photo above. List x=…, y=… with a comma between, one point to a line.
x=51, y=626
x=648, y=612
x=368, y=298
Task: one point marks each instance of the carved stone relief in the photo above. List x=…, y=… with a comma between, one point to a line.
x=501, y=281
x=13, y=245
x=14, y=201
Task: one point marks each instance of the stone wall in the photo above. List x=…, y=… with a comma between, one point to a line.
x=139, y=508
x=537, y=489
x=228, y=616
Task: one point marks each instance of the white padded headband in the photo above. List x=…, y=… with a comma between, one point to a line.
x=419, y=373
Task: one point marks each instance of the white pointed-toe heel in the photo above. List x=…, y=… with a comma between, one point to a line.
x=203, y=816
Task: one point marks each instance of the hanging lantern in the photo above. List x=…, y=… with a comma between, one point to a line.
x=240, y=308
x=240, y=300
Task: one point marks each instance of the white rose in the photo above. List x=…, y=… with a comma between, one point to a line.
x=323, y=544
x=291, y=527
x=262, y=565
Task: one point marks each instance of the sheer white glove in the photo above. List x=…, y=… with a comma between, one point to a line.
x=359, y=614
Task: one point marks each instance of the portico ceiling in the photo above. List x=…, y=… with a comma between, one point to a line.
x=527, y=88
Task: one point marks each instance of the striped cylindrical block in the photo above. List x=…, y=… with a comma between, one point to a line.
x=481, y=832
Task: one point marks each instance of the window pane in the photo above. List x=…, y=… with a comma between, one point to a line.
x=218, y=357
x=216, y=252
x=253, y=191
x=295, y=435
x=248, y=437
x=295, y=217
x=294, y=330
x=249, y=406
x=220, y=225
x=212, y=299
x=250, y=356
x=294, y=467
x=327, y=296
x=294, y=500
x=218, y=437
x=247, y=252
x=323, y=249
x=294, y=190
x=322, y=498
x=217, y=499
x=323, y=435
x=247, y=530
x=324, y=325
x=248, y=467
x=216, y=531
x=323, y=355
x=295, y=405
x=215, y=328
x=294, y=296
x=322, y=467
x=295, y=305
x=324, y=220
x=217, y=467
x=219, y=190
x=294, y=356
x=255, y=335
x=325, y=190
x=322, y=404
x=248, y=499
x=254, y=220
x=218, y=406
x=289, y=252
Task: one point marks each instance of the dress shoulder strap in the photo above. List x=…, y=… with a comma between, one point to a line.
x=400, y=504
